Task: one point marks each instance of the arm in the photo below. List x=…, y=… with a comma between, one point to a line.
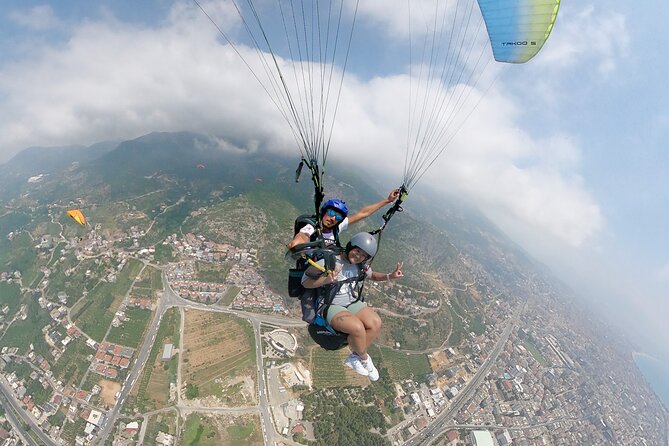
x=302, y=237
x=369, y=210
x=314, y=278
x=299, y=238
x=396, y=274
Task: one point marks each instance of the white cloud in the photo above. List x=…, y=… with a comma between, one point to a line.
x=39, y=18
x=533, y=185
x=113, y=80
x=590, y=36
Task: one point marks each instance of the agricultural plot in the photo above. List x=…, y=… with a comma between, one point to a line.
x=212, y=272
x=163, y=254
x=116, y=218
x=77, y=282
x=161, y=422
x=56, y=253
x=418, y=332
x=109, y=390
x=205, y=430
x=23, y=333
x=162, y=374
x=131, y=331
x=328, y=369
x=460, y=322
x=169, y=221
x=404, y=366
x=95, y=313
x=219, y=351
x=11, y=297
x=148, y=285
x=229, y=295
x=466, y=305
x=73, y=363
x=12, y=221
x=152, y=388
x=20, y=255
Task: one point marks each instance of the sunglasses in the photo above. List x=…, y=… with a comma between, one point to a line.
x=335, y=214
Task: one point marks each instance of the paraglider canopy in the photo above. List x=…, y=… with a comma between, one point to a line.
x=453, y=54
x=77, y=216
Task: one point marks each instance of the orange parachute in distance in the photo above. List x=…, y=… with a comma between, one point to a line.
x=77, y=216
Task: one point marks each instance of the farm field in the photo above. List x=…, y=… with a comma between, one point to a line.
x=219, y=355
x=229, y=295
x=328, y=369
x=77, y=283
x=24, y=333
x=403, y=366
x=73, y=363
x=205, y=430
x=208, y=272
x=94, y=314
x=151, y=390
x=149, y=283
x=131, y=331
x=11, y=297
x=160, y=422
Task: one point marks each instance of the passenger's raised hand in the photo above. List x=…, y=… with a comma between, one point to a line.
x=398, y=271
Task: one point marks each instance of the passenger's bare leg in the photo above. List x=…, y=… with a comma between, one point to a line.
x=357, y=335
x=372, y=322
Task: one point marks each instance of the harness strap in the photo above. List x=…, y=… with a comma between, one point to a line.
x=319, y=267
x=396, y=207
x=327, y=294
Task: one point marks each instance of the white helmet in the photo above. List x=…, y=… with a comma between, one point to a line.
x=364, y=241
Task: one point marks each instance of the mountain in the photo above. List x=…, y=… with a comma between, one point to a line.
x=473, y=316
x=194, y=183
x=435, y=237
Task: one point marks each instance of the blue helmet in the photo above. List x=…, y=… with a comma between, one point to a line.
x=336, y=204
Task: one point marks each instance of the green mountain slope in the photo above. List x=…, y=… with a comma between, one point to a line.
x=175, y=183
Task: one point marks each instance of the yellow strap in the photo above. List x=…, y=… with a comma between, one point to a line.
x=317, y=266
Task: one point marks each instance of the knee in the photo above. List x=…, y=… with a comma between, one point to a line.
x=357, y=328
x=374, y=322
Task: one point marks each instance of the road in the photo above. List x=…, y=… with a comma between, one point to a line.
x=437, y=426
x=17, y=417
x=142, y=355
x=170, y=299
x=267, y=425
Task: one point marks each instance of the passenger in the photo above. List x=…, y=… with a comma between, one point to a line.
x=343, y=309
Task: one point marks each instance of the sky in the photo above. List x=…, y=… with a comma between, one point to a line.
x=566, y=153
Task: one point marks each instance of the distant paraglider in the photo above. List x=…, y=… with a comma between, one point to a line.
x=200, y=166
x=77, y=216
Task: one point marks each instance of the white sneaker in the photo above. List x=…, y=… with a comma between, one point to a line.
x=354, y=362
x=373, y=373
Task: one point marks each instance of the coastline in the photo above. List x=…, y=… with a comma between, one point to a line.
x=656, y=375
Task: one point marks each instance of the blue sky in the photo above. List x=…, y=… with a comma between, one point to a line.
x=567, y=153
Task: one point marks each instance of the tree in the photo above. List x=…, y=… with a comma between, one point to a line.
x=192, y=391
